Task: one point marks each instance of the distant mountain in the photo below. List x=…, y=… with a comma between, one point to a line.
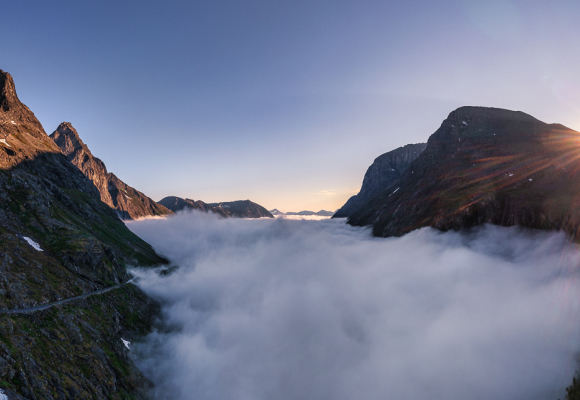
x=324, y=213
x=304, y=213
x=130, y=203
x=236, y=209
x=321, y=213
x=484, y=165
x=384, y=171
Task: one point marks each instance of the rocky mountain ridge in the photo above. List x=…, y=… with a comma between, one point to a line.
x=235, y=209
x=58, y=240
x=484, y=165
x=129, y=202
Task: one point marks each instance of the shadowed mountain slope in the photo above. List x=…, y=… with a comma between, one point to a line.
x=384, y=171
x=484, y=165
x=129, y=202
x=59, y=240
x=236, y=209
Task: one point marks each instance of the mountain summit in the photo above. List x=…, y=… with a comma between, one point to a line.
x=484, y=165
x=129, y=202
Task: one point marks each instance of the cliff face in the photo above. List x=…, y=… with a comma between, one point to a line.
x=484, y=165
x=384, y=171
x=58, y=241
x=236, y=209
x=129, y=202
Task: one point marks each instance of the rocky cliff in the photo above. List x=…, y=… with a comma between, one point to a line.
x=384, y=172
x=484, y=165
x=236, y=209
x=58, y=240
x=129, y=202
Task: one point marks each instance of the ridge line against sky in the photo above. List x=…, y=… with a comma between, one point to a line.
x=285, y=104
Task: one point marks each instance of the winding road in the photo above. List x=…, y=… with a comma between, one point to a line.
x=56, y=303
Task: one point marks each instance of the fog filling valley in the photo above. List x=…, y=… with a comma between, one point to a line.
x=296, y=309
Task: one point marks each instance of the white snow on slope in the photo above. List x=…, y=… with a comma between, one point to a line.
x=125, y=342
x=3, y=396
x=6, y=143
x=33, y=244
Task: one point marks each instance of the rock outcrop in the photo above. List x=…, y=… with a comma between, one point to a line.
x=384, y=172
x=130, y=203
x=236, y=209
x=484, y=165
x=58, y=240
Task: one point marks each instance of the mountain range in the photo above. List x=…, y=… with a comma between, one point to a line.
x=67, y=305
x=483, y=165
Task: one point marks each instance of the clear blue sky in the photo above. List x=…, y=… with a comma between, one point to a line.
x=282, y=102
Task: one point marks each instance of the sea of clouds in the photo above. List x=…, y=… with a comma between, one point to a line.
x=294, y=309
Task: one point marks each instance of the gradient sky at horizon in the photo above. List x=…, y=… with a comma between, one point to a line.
x=283, y=103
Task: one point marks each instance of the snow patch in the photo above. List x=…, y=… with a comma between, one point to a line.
x=394, y=191
x=13, y=123
x=6, y=143
x=125, y=342
x=511, y=174
x=530, y=180
x=464, y=123
x=3, y=396
x=33, y=243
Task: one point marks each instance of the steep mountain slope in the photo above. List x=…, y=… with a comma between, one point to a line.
x=485, y=165
x=129, y=202
x=384, y=171
x=236, y=209
x=58, y=241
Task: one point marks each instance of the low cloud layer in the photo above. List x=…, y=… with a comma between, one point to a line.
x=285, y=309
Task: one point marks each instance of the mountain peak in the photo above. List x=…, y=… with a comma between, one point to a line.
x=8, y=97
x=68, y=139
x=467, y=113
x=13, y=112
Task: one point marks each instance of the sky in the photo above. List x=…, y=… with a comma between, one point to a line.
x=319, y=310
x=283, y=103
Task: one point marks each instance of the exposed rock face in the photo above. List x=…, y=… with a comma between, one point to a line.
x=73, y=351
x=384, y=171
x=485, y=165
x=129, y=202
x=236, y=209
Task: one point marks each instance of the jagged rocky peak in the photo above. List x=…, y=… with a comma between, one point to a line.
x=68, y=139
x=129, y=202
x=13, y=112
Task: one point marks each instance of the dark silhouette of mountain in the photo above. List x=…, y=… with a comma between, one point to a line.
x=129, y=202
x=384, y=171
x=58, y=240
x=484, y=165
x=236, y=209
x=276, y=212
